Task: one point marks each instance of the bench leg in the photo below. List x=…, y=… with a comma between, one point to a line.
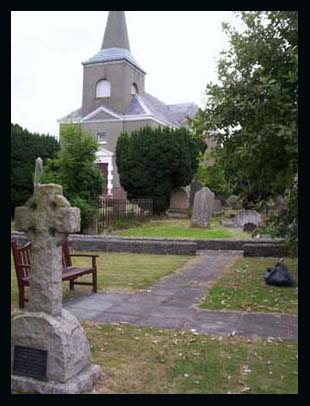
x=71, y=285
x=95, y=281
x=21, y=297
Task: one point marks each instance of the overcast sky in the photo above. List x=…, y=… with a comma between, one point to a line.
x=178, y=50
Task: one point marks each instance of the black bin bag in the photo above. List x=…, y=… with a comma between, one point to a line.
x=279, y=275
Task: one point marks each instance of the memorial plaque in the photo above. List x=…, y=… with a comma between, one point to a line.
x=30, y=362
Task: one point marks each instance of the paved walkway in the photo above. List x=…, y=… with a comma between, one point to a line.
x=173, y=302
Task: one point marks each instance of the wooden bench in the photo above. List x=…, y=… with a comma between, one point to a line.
x=22, y=264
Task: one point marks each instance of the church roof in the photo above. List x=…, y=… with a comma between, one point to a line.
x=173, y=113
x=113, y=54
x=182, y=111
x=146, y=105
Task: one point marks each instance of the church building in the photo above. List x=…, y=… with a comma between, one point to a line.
x=114, y=100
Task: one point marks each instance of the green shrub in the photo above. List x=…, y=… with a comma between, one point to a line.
x=153, y=162
x=26, y=147
x=75, y=169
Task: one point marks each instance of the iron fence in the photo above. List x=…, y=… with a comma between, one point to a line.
x=111, y=211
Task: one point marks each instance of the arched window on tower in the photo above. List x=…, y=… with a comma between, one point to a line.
x=103, y=88
x=134, y=89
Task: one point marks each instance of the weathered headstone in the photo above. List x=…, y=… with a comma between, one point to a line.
x=234, y=202
x=195, y=187
x=50, y=351
x=179, y=203
x=247, y=216
x=217, y=206
x=38, y=171
x=203, y=208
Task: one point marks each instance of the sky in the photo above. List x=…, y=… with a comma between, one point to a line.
x=177, y=49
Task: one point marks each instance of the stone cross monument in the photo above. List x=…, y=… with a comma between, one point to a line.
x=50, y=351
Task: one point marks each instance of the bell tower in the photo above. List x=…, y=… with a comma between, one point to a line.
x=112, y=76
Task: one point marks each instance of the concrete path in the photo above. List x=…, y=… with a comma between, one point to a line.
x=173, y=302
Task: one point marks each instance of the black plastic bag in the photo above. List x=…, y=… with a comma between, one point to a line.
x=279, y=276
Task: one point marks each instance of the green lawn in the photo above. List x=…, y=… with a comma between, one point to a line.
x=121, y=271
x=147, y=360
x=179, y=228
x=242, y=288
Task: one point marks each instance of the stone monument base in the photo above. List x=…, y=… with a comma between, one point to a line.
x=82, y=382
x=50, y=354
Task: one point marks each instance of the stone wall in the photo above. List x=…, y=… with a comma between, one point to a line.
x=123, y=244
x=265, y=250
x=148, y=245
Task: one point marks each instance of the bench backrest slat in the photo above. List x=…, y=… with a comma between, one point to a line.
x=21, y=256
x=66, y=259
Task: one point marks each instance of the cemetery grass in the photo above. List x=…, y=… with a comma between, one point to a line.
x=147, y=360
x=117, y=271
x=180, y=228
x=242, y=287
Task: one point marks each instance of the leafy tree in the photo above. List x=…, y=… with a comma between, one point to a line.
x=252, y=111
x=213, y=176
x=26, y=147
x=75, y=169
x=153, y=162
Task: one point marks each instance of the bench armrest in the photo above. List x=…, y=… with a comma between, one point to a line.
x=93, y=257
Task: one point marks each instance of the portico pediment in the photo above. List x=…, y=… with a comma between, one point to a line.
x=101, y=114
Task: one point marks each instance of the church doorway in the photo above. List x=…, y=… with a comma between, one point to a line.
x=104, y=169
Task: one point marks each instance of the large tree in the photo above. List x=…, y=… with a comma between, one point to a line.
x=153, y=162
x=26, y=147
x=252, y=110
x=74, y=168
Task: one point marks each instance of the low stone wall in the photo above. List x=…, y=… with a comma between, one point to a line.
x=265, y=250
x=119, y=244
x=108, y=244
x=149, y=245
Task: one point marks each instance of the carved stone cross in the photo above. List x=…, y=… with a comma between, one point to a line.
x=46, y=219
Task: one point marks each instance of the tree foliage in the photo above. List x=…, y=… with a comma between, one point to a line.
x=252, y=111
x=26, y=147
x=213, y=176
x=74, y=168
x=153, y=162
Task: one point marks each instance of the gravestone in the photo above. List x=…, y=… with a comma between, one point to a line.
x=234, y=202
x=194, y=187
x=203, y=208
x=49, y=349
x=179, y=203
x=247, y=217
x=217, y=206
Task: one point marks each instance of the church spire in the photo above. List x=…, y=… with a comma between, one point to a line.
x=115, y=35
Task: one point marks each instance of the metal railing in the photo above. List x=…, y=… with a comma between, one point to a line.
x=113, y=211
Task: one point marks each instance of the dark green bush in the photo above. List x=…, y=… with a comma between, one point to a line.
x=26, y=147
x=153, y=162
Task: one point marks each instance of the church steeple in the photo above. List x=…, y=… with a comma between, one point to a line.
x=115, y=35
x=112, y=76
